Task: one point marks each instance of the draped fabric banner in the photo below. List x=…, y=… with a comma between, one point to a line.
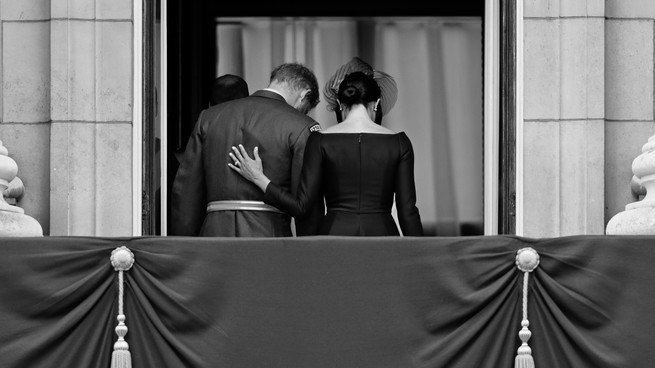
x=327, y=302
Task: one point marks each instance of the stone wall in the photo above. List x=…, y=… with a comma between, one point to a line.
x=588, y=110
x=564, y=117
x=66, y=108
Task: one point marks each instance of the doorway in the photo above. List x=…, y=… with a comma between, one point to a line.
x=440, y=81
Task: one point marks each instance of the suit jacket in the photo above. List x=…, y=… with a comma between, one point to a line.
x=263, y=119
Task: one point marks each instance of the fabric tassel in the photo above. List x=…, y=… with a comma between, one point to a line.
x=527, y=259
x=524, y=354
x=122, y=259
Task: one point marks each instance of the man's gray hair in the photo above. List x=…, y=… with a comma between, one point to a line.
x=299, y=77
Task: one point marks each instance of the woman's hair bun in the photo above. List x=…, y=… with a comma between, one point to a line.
x=358, y=88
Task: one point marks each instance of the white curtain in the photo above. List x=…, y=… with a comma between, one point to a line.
x=437, y=64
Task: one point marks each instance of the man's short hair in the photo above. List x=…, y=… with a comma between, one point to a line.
x=228, y=87
x=299, y=77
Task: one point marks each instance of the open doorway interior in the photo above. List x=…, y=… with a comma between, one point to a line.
x=437, y=63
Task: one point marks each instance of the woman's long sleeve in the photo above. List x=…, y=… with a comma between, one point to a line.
x=309, y=189
x=408, y=214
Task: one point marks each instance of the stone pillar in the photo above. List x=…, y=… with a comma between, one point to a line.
x=13, y=220
x=564, y=117
x=639, y=217
x=91, y=117
x=66, y=72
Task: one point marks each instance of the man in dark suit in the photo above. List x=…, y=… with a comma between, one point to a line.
x=209, y=199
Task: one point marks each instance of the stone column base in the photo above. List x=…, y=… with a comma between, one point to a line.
x=635, y=221
x=18, y=224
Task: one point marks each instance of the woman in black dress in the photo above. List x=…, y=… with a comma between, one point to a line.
x=356, y=166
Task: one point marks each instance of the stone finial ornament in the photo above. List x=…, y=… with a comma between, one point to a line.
x=13, y=220
x=8, y=171
x=639, y=217
x=15, y=192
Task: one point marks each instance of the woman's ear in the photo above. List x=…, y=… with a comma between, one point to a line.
x=378, y=117
x=378, y=112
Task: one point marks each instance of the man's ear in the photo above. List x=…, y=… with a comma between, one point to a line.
x=305, y=94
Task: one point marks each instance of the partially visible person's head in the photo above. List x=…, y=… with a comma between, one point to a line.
x=227, y=87
x=389, y=90
x=358, y=88
x=300, y=82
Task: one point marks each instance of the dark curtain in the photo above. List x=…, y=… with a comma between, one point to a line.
x=327, y=302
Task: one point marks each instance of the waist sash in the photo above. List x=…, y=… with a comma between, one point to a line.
x=237, y=205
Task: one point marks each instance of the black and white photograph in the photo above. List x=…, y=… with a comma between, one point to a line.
x=409, y=184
